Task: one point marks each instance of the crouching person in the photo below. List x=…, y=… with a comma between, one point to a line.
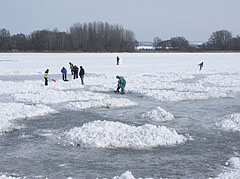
x=121, y=84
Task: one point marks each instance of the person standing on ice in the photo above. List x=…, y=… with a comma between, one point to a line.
x=200, y=65
x=71, y=67
x=46, y=77
x=75, y=72
x=121, y=84
x=118, y=60
x=81, y=74
x=64, y=74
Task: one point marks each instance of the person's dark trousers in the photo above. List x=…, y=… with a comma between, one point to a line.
x=75, y=75
x=46, y=81
x=64, y=77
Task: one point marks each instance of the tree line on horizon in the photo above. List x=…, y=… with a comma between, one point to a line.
x=103, y=37
x=86, y=37
x=222, y=40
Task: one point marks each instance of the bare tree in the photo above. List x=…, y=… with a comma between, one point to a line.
x=179, y=43
x=234, y=43
x=219, y=40
x=4, y=40
x=157, y=43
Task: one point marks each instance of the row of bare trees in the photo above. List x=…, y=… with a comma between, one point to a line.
x=103, y=37
x=223, y=40
x=219, y=41
x=87, y=37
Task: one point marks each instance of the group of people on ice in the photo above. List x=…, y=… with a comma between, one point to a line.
x=74, y=72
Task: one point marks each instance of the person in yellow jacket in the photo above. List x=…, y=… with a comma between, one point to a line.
x=46, y=77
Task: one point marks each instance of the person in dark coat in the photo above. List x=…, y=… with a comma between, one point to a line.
x=118, y=60
x=46, y=77
x=81, y=74
x=75, y=72
x=64, y=74
x=200, y=65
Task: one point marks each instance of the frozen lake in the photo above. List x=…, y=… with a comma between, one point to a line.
x=173, y=122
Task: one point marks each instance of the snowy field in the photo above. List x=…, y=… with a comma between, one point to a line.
x=173, y=122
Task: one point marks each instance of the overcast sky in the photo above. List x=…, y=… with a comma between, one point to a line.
x=193, y=19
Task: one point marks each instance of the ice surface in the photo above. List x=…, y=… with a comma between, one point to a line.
x=161, y=76
x=108, y=134
x=155, y=75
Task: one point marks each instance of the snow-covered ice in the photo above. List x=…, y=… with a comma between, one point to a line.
x=108, y=134
x=230, y=122
x=160, y=76
x=8, y=177
x=158, y=114
x=127, y=175
x=102, y=102
x=12, y=111
x=231, y=170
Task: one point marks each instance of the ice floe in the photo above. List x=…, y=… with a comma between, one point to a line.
x=104, y=102
x=230, y=122
x=11, y=111
x=127, y=175
x=108, y=134
x=8, y=177
x=231, y=170
x=158, y=114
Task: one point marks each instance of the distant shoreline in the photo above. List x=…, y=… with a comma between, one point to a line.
x=139, y=51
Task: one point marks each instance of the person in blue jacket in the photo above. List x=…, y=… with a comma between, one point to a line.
x=64, y=74
x=121, y=84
